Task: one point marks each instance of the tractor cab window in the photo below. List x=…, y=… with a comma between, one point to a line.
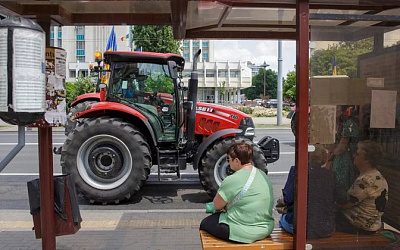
x=149, y=88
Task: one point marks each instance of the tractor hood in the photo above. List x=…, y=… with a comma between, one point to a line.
x=213, y=117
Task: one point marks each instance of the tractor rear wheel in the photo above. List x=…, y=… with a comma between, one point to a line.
x=108, y=159
x=214, y=167
x=71, y=121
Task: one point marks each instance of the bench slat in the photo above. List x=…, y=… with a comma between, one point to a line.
x=276, y=241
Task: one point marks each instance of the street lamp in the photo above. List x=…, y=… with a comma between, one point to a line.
x=264, y=65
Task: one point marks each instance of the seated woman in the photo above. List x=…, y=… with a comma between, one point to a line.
x=320, y=206
x=245, y=214
x=367, y=197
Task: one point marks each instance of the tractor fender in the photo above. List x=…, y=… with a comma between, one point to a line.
x=209, y=141
x=86, y=97
x=103, y=108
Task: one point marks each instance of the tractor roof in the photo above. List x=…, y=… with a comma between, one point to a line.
x=147, y=57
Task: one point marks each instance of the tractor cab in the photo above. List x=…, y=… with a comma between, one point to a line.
x=148, y=83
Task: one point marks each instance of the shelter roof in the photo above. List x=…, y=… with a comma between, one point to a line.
x=220, y=19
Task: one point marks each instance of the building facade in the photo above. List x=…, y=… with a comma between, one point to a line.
x=219, y=82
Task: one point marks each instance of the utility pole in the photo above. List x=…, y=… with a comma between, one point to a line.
x=279, y=108
x=264, y=65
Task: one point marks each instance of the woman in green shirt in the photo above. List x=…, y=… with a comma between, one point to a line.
x=245, y=214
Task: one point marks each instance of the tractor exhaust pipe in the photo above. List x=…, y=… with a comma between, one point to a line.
x=192, y=99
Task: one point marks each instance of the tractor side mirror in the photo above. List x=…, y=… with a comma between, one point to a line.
x=173, y=69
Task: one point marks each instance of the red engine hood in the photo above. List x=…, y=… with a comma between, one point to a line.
x=213, y=117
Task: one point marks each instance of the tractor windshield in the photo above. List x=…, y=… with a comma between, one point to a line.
x=150, y=88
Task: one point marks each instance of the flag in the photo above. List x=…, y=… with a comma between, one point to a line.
x=112, y=41
x=334, y=68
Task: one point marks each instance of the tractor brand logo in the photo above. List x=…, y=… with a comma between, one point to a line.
x=205, y=109
x=235, y=117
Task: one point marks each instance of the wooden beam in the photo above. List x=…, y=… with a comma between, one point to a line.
x=118, y=18
x=178, y=17
x=240, y=35
x=224, y=15
x=10, y=8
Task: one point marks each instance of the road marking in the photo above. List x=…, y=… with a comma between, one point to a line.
x=28, y=144
x=194, y=174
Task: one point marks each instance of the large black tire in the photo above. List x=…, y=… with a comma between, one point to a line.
x=71, y=123
x=213, y=167
x=108, y=159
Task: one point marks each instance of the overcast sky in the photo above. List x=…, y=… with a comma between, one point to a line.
x=257, y=51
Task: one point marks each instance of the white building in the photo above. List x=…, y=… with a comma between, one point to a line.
x=81, y=43
x=219, y=82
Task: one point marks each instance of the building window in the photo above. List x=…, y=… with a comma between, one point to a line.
x=205, y=57
x=205, y=44
x=80, y=45
x=234, y=73
x=51, y=42
x=80, y=58
x=59, y=33
x=72, y=73
x=222, y=73
x=186, y=44
x=60, y=43
x=210, y=73
x=186, y=56
x=80, y=37
x=196, y=44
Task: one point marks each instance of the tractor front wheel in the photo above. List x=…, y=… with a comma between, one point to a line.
x=214, y=167
x=108, y=159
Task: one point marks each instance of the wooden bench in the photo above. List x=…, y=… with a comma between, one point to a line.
x=277, y=240
x=282, y=240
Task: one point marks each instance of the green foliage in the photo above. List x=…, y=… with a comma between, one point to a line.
x=81, y=86
x=155, y=39
x=289, y=86
x=159, y=83
x=257, y=89
x=245, y=109
x=346, y=54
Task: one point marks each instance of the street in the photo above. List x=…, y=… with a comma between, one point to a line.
x=186, y=193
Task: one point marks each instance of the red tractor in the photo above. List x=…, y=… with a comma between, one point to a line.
x=143, y=118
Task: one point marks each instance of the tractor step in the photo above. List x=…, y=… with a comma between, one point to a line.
x=168, y=162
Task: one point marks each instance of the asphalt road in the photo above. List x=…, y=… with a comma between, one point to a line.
x=186, y=193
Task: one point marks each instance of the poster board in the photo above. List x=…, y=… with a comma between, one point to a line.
x=322, y=124
x=339, y=91
x=56, y=105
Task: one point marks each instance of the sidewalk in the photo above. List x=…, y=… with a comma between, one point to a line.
x=111, y=229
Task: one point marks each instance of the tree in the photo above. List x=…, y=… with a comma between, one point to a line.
x=289, y=86
x=346, y=54
x=82, y=85
x=155, y=39
x=257, y=88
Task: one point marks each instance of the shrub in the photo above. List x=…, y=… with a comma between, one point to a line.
x=82, y=85
x=245, y=109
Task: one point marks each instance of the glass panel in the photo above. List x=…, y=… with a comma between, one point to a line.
x=150, y=88
x=355, y=128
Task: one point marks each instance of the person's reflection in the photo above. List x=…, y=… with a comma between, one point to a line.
x=341, y=155
x=367, y=197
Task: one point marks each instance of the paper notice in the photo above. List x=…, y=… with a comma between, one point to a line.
x=375, y=82
x=383, y=109
x=322, y=124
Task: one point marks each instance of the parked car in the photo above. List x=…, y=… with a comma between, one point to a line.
x=272, y=103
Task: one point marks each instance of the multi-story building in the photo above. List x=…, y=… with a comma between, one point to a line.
x=219, y=82
x=81, y=43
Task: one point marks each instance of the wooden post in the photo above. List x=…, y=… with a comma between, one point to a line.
x=45, y=133
x=302, y=65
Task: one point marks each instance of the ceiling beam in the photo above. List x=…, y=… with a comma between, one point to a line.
x=118, y=18
x=179, y=17
x=10, y=9
x=240, y=35
x=224, y=15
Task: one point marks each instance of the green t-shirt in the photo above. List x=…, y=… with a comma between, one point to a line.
x=251, y=218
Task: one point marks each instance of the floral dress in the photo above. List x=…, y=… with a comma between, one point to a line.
x=342, y=165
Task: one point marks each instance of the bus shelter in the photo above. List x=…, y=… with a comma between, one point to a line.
x=348, y=72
